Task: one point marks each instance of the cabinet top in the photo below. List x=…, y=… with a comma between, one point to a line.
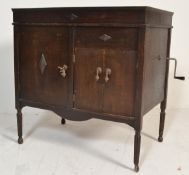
x=117, y=15
x=94, y=8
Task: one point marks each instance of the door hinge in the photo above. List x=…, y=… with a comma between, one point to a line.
x=73, y=98
x=73, y=58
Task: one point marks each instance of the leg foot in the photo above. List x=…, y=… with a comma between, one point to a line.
x=63, y=121
x=20, y=140
x=160, y=139
x=136, y=168
x=137, y=149
x=19, y=126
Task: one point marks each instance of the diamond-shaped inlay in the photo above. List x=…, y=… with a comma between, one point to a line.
x=42, y=63
x=105, y=37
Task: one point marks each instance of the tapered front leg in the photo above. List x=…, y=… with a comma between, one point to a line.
x=137, y=141
x=162, y=121
x=19, y=126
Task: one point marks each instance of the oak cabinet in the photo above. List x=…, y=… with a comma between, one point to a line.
x=95, y=62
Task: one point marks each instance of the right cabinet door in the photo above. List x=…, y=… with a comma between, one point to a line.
x=114, y=51
x=119, y=88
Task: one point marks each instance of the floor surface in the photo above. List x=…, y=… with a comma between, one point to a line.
x=93, y=147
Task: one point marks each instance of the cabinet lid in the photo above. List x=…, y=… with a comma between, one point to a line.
x=103, y=16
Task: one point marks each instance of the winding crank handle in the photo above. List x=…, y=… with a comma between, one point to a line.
x=176, y=77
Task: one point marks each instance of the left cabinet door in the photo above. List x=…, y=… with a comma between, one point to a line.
x=44, y=66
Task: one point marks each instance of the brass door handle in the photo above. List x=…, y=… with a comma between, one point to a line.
x=98, y=72
x=63, y=70
x=108, y=73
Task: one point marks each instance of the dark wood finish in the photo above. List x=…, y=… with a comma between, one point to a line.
x=155, y=67
x=19, y=126
x=137, y=143
x=89, y=15
x=87, y=91
x=164, y=102
x=128, y=44
x=63, y=121
x=48, y=86
x=118, y=54
x=119, y=91
x=121, y=38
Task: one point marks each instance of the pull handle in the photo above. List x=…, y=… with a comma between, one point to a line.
x=63, y=70
x=176, y=77
x=98, y=72
x=108, y=73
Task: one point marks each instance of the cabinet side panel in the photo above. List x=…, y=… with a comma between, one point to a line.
x=154, y=67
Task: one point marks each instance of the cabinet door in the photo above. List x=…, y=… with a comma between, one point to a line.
x=119, y=89
x=113, y=49
x=88, y=90
x=42, y=50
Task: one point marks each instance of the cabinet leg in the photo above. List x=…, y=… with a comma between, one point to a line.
x=137, y=141
x=63, y=121
x=164, y=102
x=162, y=121
x=19, y=126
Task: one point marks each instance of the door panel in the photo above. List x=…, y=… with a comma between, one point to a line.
x=114, y=48
x=119, y=90
x=87, y=90
x=43, y=49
